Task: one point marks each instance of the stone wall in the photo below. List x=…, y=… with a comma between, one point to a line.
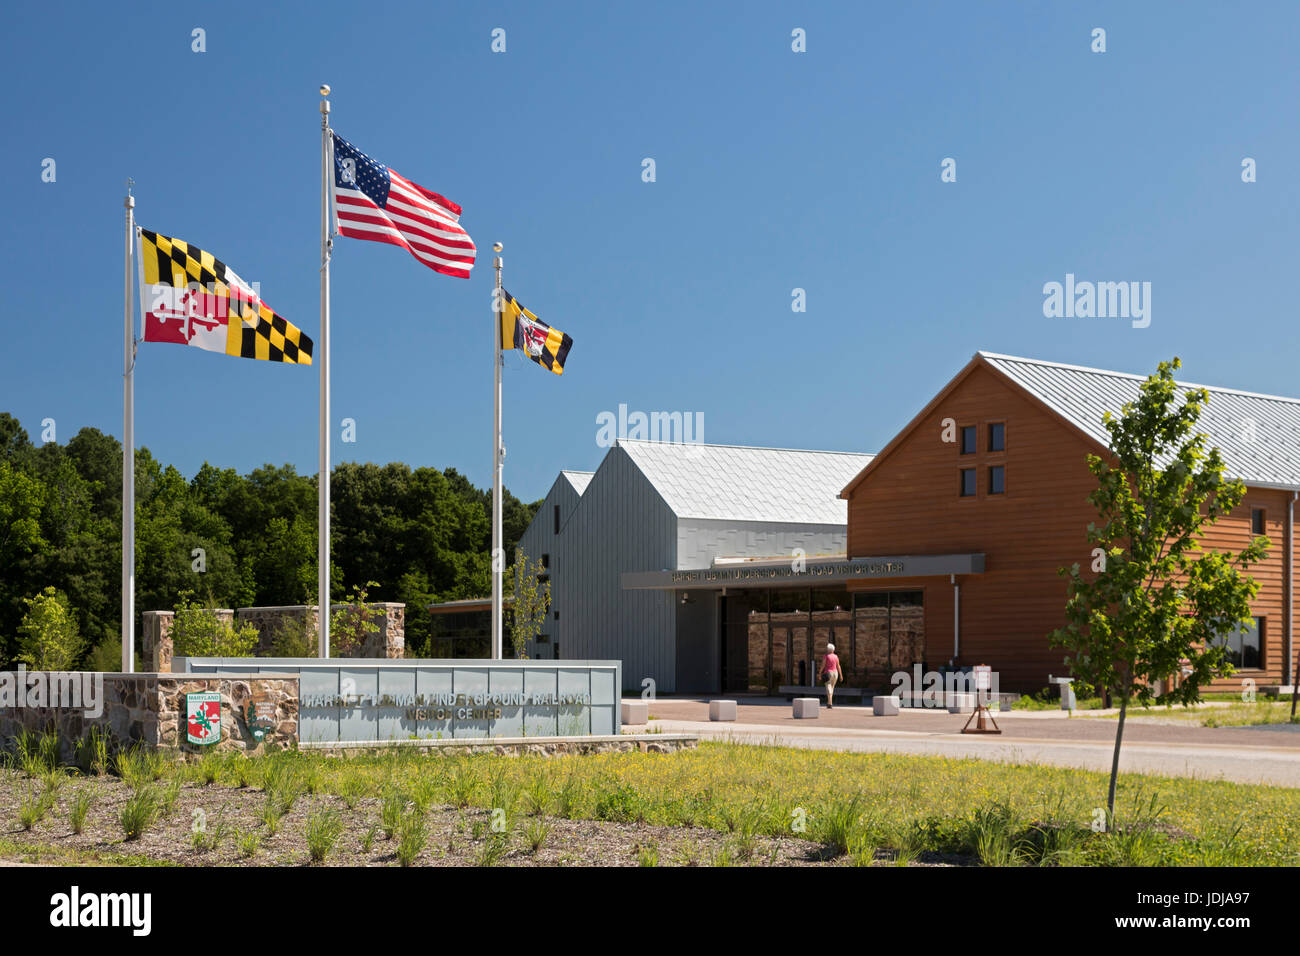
x=518, y=746
x=388, y=642
x=149, y=709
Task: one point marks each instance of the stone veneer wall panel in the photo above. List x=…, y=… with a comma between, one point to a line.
x=148, y=709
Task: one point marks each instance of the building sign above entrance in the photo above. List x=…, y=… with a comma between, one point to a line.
x=856, y=569
x=809, y=572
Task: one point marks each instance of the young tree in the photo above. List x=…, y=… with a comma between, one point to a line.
x=530, y=600
x=198, y=632
x=49, y=640
x=350, y=623
x=1157, y=603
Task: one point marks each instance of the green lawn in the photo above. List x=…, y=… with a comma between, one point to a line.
x=1238, y=714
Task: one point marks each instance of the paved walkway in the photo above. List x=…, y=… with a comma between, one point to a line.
x=1243, y=754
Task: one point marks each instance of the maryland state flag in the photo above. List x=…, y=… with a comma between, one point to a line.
x=520, y=329
x=190, y=297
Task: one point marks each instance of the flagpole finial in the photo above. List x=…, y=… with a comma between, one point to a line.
x=130, y=200
x=324, y=103
x=497, y=247
x=324, y=89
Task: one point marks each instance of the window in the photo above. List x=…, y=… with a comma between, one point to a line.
x=1256, y=520
x=557, y=615
x=998, y=436
x=557, y=519
x=968, y=482
x=1244, y=644
x=997, y=480
x=968, y=439
x=546, y=560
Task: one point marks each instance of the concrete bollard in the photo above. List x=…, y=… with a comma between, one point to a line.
x=961, y=703
x=885, y=706
x=805, y=708
x=722, y=710
x=636, y=712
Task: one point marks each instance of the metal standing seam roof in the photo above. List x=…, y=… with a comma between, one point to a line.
x=739, y=483
x=579, y=479
x=1258, y=435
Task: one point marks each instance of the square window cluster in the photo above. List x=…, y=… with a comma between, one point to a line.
x=995, y=442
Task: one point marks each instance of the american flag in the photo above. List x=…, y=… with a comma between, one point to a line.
x=371, y=201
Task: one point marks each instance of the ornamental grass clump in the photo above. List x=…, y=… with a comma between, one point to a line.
x=79, y=809
x=536, y=834
x=33, y=808
x=413, y=834
x=131, y=767
x=537, y=795
x=323, y=831
x=139, y=813
x=391, y=809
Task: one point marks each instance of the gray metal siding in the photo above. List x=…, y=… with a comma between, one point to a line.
x=539, y=539
x=620, y=524
x=700, y=541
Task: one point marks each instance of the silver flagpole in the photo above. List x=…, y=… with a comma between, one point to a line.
x=323, y=482
x=128, y=451
x=498, y=459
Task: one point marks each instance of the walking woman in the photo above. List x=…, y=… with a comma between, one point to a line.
x=831, y=673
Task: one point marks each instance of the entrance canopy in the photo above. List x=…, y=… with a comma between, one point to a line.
x=814, y=571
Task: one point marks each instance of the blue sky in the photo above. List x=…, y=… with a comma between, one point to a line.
x=775, y=170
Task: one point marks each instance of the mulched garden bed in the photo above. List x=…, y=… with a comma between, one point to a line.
x=455, y=837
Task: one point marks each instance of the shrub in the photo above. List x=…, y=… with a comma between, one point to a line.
x=48, y=638
x=350, y=623
x=622, y=804
x=295, y=637
x=198, y=632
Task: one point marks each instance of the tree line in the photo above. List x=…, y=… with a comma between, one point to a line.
x=421, y=535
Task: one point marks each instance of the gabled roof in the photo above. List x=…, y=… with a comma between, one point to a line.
x=578, y=479
x=1258, y=435
x=737, y=483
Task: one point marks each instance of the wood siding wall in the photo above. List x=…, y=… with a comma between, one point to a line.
x=909, y=504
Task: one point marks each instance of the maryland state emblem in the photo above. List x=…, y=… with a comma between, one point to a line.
x=534, y=337
x=203, y=718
